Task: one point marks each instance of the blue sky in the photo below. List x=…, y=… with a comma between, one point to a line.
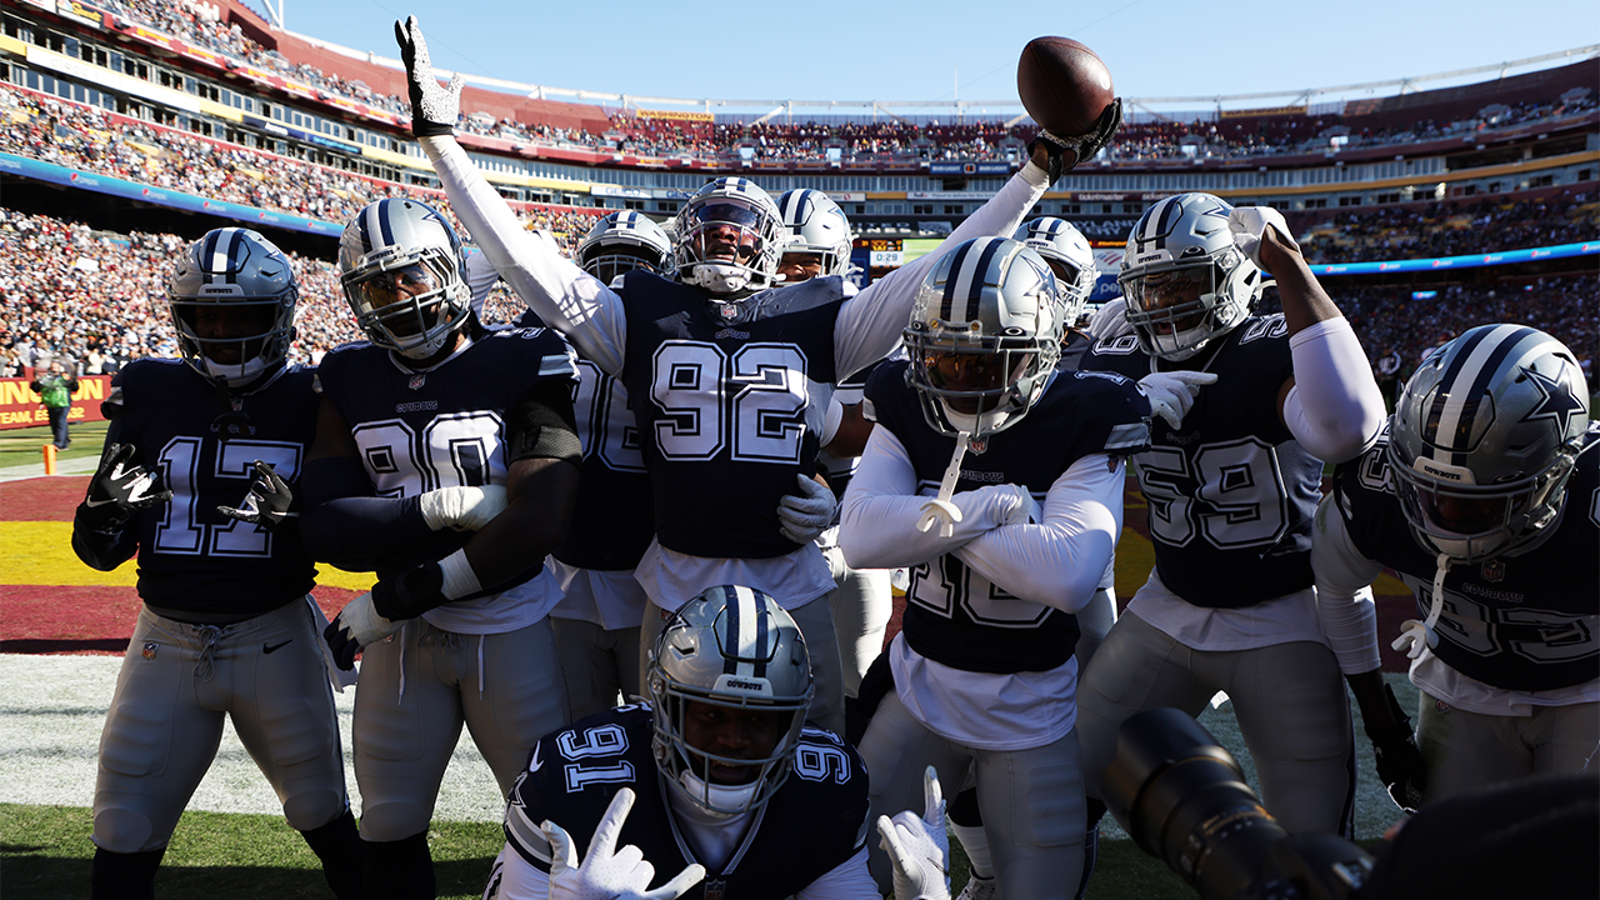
x=831, y=49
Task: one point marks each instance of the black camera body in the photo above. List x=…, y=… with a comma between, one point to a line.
x=1184, y=800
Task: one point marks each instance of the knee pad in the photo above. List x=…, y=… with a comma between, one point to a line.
x=120, y=830
x=391, y=822
x=310, y=810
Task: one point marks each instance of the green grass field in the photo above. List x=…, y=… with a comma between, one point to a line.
x=45, y=851
x=23, y=446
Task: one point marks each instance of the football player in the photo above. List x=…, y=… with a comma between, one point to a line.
x=862, y=599
x=1068, y=254
x=1482, y=495
x=728, y=377
x=717, y=774
x=1251, y=407
x=226, y=630
x=597, y=620
x=446, y=460
x=1027, y=462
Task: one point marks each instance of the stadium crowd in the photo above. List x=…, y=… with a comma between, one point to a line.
x=1452, y=228
x=1143, y=137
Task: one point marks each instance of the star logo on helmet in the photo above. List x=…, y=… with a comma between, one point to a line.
x=1556, y=402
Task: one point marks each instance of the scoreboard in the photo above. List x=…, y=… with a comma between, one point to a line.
x=876, y=257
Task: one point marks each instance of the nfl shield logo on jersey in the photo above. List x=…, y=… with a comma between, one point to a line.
x=417, y=381
x=978, y=446
x=716, y=889
x=1494, y=570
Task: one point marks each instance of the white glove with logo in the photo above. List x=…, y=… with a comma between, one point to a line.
x=1110, y=320
x=1249, y=223
x=609, y=873
x=462, y=508
x=919, y=847
x=357, y=626
x=803, y=516
x=1172, y=394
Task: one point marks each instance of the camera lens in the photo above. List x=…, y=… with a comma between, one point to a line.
x=1184, y=800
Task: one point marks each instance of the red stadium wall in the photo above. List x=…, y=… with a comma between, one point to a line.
x=20, y=406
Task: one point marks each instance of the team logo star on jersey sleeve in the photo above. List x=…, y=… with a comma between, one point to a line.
x=1554, y=403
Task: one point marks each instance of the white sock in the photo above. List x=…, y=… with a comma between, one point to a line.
x=976, y=843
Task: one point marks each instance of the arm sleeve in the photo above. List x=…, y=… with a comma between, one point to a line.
x=1345, y=607
x=870, y=323
x=878, y=519
x=567, y=298
x=344, y=525
x=1060, y=561
x=105, y=550
x=849, y=880
x=1335, y=409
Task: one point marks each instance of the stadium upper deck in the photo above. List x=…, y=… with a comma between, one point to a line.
x=221, y=72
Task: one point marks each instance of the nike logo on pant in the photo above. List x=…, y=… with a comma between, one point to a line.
x=269, y=648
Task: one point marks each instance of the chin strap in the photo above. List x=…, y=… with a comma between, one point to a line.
x=1415, y=635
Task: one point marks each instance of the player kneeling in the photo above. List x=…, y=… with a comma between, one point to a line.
x=717, y=774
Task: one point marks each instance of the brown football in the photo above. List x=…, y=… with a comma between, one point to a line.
x=1063, y=84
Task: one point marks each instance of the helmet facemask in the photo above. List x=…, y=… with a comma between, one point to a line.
x=402, y=268
x=815, y=225
x=729, y=658
x=1184, y=280
x=1484, y=438
x=729, y=236
x=233, y=302
x=622, y=242
x=1071, y=259
x=984, y=337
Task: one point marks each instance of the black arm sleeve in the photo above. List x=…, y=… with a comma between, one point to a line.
x=105, y=550
x=542, y=425
x=343, y=524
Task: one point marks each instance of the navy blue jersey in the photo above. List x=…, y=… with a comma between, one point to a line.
x=730, y=400
x=613, y=521
x=813, y=824
x=419, y=431
x=954, y=615
x=1231, y=490
x=1525, y=621
x=191, y=557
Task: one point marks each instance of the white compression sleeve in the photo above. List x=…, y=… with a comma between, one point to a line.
x=1335, y=409
x=567, y=298
x=1345, y=606
x=870, y=323
x=1060, y=561
x=878, y=518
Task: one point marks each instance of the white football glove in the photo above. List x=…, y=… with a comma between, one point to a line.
x=462, y=508
x=919, y=847
x=1172, y=394
x=357, y=626
x=1249, y=223
x=609, y=873
x=1110, y=320
x=804, y=516
x=434, y=109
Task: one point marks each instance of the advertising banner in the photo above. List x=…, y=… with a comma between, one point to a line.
x=20, y=406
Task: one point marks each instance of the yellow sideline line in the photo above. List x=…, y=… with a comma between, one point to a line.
x=41, y=553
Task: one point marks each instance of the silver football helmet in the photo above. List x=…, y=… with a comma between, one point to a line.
x=728, y=237
x=240, y=271
x=814, y=223
x=730, y=647
x=1069, y=256
x=404, y=274
x=1484, y=438
x=984, y=336
x=621, y=242
x=1185, y=281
